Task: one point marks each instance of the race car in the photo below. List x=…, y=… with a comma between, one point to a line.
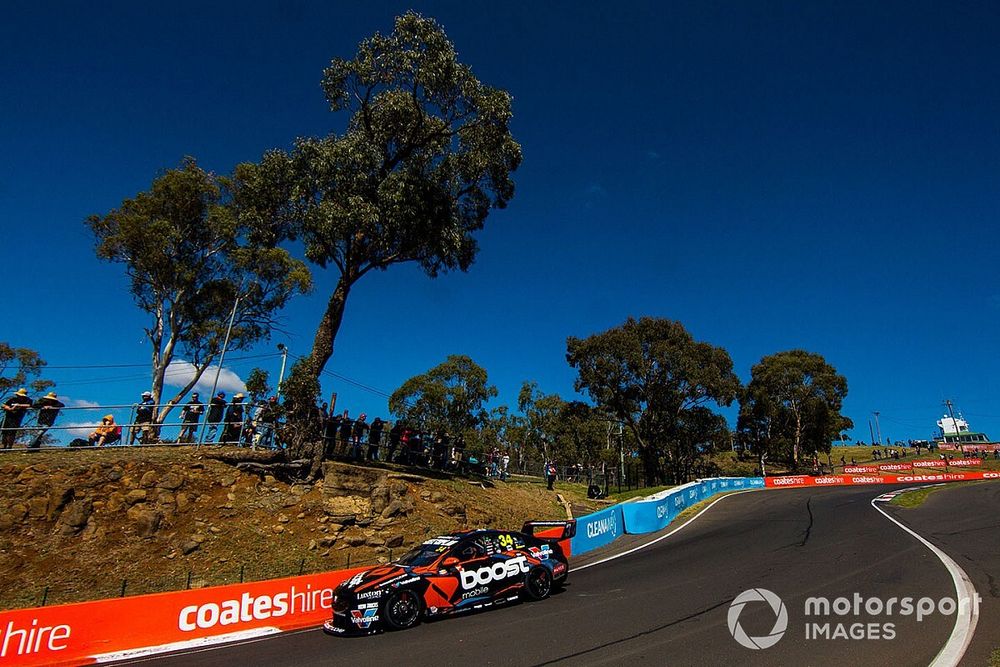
x=454, y=573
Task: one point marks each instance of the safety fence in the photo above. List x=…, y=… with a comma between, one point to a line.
x=104, y=630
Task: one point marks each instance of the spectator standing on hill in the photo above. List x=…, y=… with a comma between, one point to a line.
x=550, y=475
x=346, y=428
x=14, y=409
x=234, y=420
x=216, y=409
x=395, y=438
x=331, y=424
x=504, y=467
x=358, y=436
x=266, y=421
x=375, y=438
x=142, y=430
x=191, y=417
x=48, y=407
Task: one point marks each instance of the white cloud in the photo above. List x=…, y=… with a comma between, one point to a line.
x=78, y=402
x=180, y=372
x=76, y=429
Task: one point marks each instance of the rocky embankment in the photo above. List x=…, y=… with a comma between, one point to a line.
x=85, y=525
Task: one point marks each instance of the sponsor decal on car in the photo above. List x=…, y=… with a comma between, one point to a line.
x=495, y=572
x=363, y=618
x=441, y=541
x=476, y=592
x=397, y=584
x=370, y=595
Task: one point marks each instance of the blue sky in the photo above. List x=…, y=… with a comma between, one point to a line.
x=773, y=175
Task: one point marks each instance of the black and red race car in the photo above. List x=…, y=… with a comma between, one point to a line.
x=454, y=573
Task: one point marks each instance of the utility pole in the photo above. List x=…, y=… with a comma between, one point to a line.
x=878, y=431
x=281, y=374
x=871, y=432
x=222, y=359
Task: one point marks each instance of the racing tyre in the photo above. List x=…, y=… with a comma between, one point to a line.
x=402, y=609
x=538, y=583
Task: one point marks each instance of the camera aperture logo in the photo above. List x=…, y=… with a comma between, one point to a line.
x=780, y=621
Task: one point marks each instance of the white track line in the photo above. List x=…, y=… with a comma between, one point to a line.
x=968, y=603
x=661, y=537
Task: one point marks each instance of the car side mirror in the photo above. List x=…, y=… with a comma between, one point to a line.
x=450, y=561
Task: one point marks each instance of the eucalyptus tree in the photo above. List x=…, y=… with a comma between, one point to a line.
x=426, y=154
x=193, y=268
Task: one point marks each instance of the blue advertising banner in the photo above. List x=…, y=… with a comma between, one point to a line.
x=657, y=511
x=597, y=529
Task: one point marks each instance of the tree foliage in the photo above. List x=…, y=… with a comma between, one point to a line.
x=21, y=367
x=652, y=375
x=792, y=405
x=449, y=397
x=426, y=153
x=188, y=259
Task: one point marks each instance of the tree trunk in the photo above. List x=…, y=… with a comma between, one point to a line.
x=329, y=325
x=798, y=436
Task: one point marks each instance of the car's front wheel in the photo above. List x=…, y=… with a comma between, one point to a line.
x=402, y=609
x=538, y=583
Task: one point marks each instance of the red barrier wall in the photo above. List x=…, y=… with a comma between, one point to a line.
x=847, y=480
x=75, y=633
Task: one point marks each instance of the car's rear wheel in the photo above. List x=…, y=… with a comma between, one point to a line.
x=402, y=609
x=538, y=583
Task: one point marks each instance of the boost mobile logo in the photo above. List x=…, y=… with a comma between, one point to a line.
x=502, y=570
x=780, y=622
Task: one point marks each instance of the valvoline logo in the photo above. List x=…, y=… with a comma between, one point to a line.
x=363, y=618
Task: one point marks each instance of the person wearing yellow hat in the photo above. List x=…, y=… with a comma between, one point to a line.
x=48, y=407
x=14, y=409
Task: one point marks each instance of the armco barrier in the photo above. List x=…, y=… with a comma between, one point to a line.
x=81, y=633
x=598, y=529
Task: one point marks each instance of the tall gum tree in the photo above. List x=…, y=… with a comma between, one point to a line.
x=651, y=374
x=189, y=261
x=793, y=397
x=426, y=154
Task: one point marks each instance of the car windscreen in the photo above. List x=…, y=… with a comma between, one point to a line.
x=425, y=554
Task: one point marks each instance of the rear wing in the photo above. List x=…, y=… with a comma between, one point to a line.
x=550, y=530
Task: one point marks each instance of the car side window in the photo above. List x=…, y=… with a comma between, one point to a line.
x=468, y=550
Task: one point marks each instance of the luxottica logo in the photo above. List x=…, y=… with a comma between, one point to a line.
x=780, y=621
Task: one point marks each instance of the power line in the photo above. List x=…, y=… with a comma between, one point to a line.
x=88, y=366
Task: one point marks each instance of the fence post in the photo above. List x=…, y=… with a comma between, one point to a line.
x=45, y=596
x=124, y=584
x=348, y=560
x=242, y=565
x=187, y=586
x=302, y=566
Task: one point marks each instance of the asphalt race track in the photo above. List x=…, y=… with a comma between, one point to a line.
x=964, y=521
x=667, y=604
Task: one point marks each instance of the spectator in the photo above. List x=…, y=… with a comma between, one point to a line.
x=216, y=409
x=358, y=436
x=190, y=416
x=346, y=428
x=48, y=407
x=331, y=424
x=142, y=429
x=395, y=438
x=504, y=467
x=550, y=475
x=234, y=421
x=14, y=409
x=439, y=451
x=266, y=421
x=106, y=434
x=375, y=438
